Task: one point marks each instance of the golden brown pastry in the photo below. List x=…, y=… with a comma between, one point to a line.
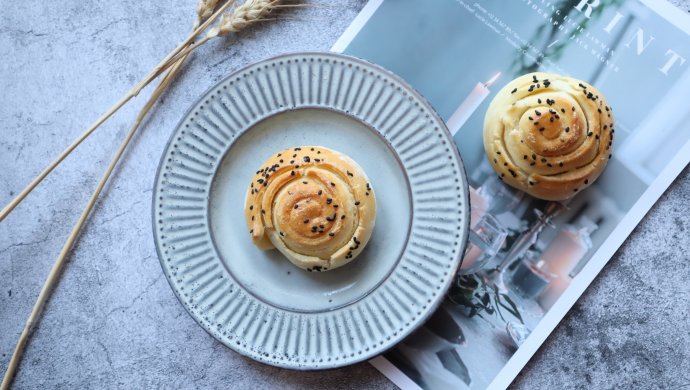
x=313, y=204
x=548, y=135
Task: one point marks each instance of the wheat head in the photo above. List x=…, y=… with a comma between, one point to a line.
x=249, y=12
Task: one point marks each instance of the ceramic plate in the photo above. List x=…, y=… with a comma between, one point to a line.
x=256, y=302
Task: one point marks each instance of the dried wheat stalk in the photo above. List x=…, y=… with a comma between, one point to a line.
x=204, y=9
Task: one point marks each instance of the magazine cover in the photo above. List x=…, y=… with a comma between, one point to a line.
x=529, y=260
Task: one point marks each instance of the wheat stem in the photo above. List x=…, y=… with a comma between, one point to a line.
x=56, y=270
x=160, y=68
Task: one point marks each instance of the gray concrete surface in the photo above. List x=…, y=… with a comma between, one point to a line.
x=114, y=322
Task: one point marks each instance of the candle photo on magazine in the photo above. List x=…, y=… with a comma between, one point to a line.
x=532, y=251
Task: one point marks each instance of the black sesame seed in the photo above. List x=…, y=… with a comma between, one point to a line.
x=304, y=182
x=333, y=184
x=306, y=159
x=541, y=129
x=319, y=193
x=560, y=164
x=296, y=206
x=513, y=91
x=329, y=200
x=251, y=207
x=539, y=101
x=349, y=173
x=357, y=203
x=567, y=129
x=543, y=160
x=590, y=134
x=563, y=110
x=537, y=112
x=306, y=221
x=331, y=234
x=292, y=173
x=586, y=181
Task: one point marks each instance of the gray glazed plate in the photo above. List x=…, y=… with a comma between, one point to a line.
x=258, y=303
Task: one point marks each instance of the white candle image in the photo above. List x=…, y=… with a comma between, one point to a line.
x=565, y=251
x=470, y=104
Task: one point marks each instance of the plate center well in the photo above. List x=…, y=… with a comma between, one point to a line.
x=268, y=275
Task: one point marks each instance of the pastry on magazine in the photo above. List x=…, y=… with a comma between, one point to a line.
x=315, y=205
x=549, y=135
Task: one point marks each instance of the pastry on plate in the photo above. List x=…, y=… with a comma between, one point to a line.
x=549, y=135
x=314, y=204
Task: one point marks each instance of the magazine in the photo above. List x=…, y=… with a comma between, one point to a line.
x=529, y=260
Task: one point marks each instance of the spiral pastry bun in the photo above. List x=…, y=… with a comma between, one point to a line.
x=314, y=205
x=548, y=135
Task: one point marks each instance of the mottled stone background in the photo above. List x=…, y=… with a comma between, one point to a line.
x=114, y=322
